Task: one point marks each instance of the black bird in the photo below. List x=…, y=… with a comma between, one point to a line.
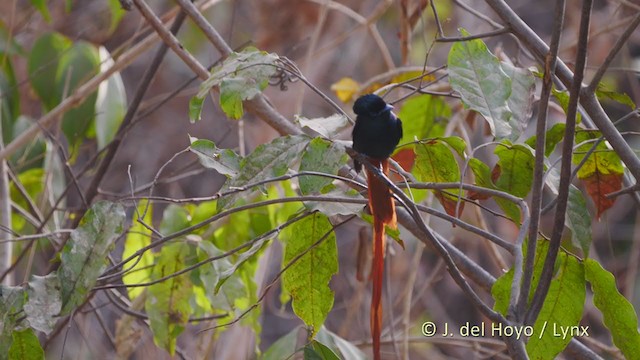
x=377, y=130
x=376, y=134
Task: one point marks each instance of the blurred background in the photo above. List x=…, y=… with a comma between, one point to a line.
x=328, y=40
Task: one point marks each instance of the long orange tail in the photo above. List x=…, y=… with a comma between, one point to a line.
x=384, y=213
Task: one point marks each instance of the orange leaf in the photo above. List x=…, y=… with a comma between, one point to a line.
x=449, y=204
x=405, y=158
x=598, y=185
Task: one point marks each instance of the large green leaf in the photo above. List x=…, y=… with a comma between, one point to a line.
x=480, y=79
x=111, y=102
x=9, y=97
x=423, y=116
x=562, y=308
x=320, y=156
x=618, y=314
x=307, y=279
x=43, y=66
x=435, y=163
x=84, y=257
x=561, y=311
x=241, y=76
x=167, y=303
x=266, y=161
x=77, y=65
x=138, y=237
x=515, y=168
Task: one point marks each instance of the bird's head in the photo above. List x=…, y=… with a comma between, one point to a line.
x=370, y=105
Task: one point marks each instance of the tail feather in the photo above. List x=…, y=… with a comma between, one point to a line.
x=384, y=214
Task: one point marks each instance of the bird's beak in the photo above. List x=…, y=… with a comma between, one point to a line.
x=388, y=107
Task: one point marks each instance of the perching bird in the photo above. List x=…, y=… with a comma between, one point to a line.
x=376, y=134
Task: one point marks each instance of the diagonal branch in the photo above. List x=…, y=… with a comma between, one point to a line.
x=565, y=170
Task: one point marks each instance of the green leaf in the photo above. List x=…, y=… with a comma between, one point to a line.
x=32, y=181
x=43, y=65
x=224, y=161
x=44, y=304
x=111, y=102
x=225, y=297
x=618, y=314
x=515, y=165
x=516, y=168
x=316, y=350
x=77, y=65
x=328, y=127
x=562, y=309
x=117, y=12
x=174, y=218
x=478, y=76
x=9, y=97
x=26, y=346
x=41, y=6
x=578, y=220
x=501, y=289
x=167, y=303
x=423, y=116
x=339, y=345
x=195, y=108
x=563, y=100
x=266, y=161
x=283, y=348
x=307, y=279
x=552, y=138
x=12, y=300
x=137, y=238
x=320, y=156
x=435, y=163
x=603, y=160
x=602, y=92
x=84, y=257
x=240, y=77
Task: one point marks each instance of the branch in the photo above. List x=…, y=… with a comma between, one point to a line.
x=538, y=173
x=565, y=170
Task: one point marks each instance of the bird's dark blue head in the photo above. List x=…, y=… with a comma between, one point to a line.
x=370, y=105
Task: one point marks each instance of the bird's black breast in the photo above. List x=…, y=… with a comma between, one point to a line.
x=377, y=130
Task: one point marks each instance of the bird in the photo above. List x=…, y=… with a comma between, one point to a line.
x=376, y=134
